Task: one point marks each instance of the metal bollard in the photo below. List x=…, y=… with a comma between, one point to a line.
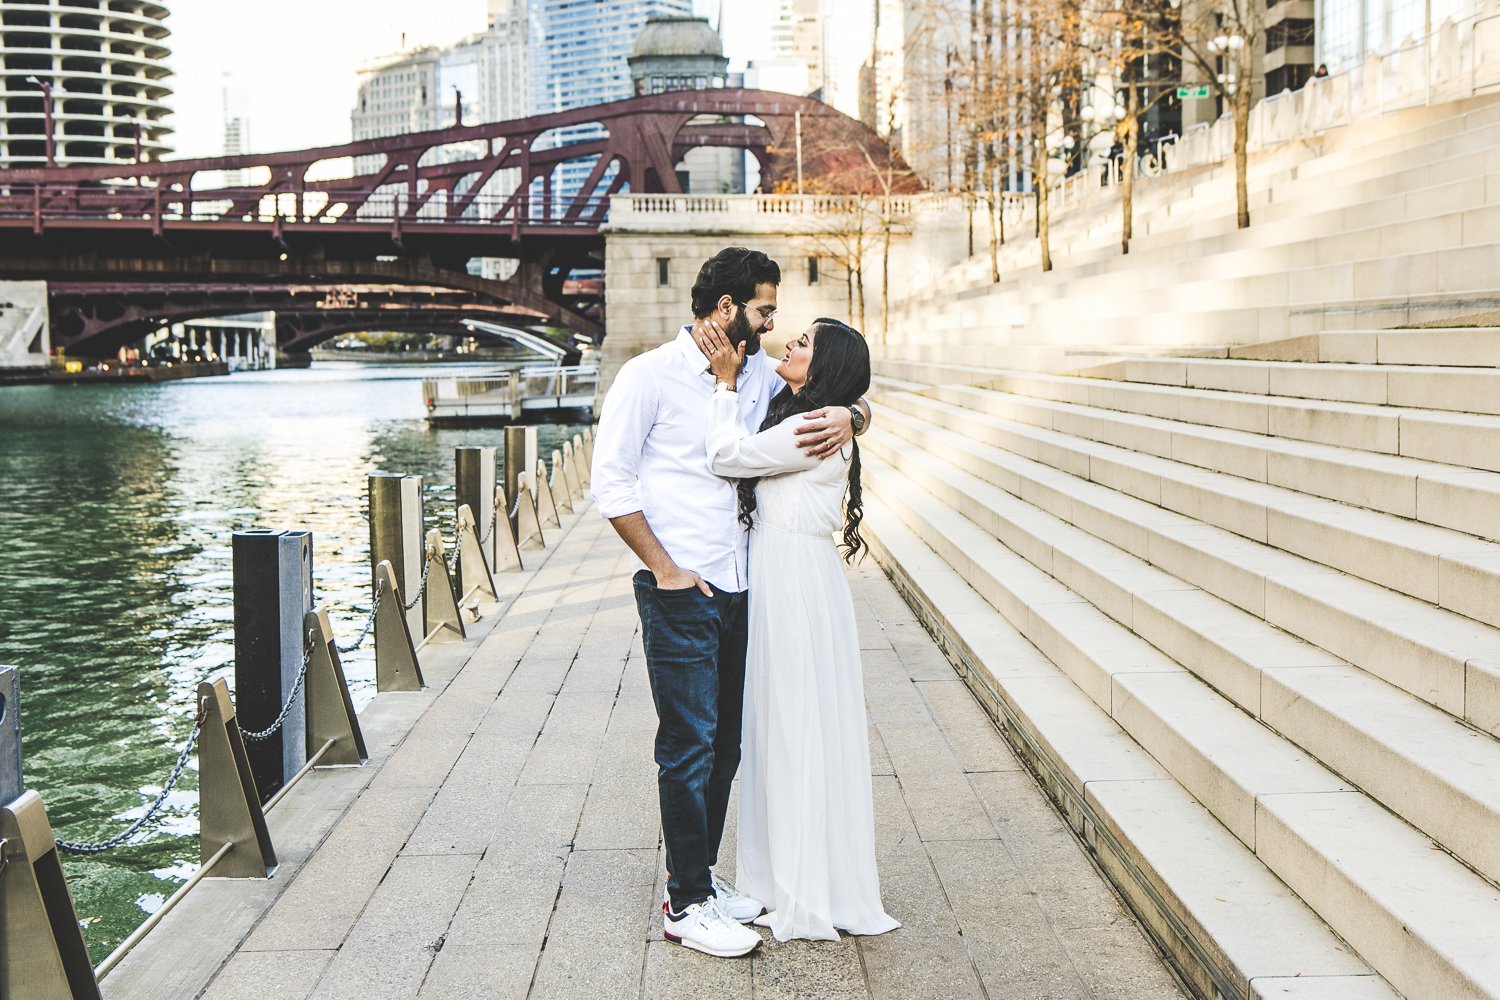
x=528, y=525
x=474, y=482
x=570, y=475
x=445, y=624
x=520, y=455
x=232, y=834
x=272, y=596
x=11, y=786
x=581, y=457
x=559, y=485
x=333, y=730
x=546, y=506
x=42, y=954
x=398, y=536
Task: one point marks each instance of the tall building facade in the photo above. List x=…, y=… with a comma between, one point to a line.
x=578, y=57
x=1350, y=30
x=105, y=64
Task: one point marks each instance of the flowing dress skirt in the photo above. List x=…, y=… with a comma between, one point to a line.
x=806, y=844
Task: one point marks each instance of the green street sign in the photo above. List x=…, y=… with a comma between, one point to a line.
x=1199, y=91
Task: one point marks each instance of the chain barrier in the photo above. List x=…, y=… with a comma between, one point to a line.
x=286, y=709
x=426, y=569
x=99, y=847
x=489, y=532
x=369, y=622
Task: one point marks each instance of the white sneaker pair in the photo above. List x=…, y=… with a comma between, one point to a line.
x=715, y=926
x=736, y=904
x=707, y=928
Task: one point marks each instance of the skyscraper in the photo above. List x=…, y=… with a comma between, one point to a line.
x=578, y=56
x=102, y=68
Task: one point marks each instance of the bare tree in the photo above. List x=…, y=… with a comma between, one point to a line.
x=1133, y=46
x=1219, y=39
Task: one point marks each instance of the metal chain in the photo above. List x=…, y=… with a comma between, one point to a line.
x=494, y=519
x=76, y=847
x=515, y=506
x=286, y=709
x=426, y=569
x=369, y=622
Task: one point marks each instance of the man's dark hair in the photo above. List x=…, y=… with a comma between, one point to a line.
x=733, y=271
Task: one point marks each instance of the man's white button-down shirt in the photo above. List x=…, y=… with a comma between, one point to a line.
x=650, y=455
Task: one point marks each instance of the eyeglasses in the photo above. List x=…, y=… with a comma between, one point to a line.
x=766, y=314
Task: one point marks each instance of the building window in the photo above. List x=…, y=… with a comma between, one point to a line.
x=812, y=270
x=663, y=272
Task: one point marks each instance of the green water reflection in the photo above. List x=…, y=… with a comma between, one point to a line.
x=116, y=509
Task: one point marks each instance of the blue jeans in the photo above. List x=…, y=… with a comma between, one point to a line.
x=695, y=657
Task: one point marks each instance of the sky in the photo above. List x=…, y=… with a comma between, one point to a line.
x=291, y=66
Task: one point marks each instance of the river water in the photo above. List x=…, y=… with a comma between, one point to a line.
x=117, y=504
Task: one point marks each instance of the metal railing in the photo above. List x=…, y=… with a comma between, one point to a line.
x=508, y=394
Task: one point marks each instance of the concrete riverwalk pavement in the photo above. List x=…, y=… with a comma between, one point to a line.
x=503, y=840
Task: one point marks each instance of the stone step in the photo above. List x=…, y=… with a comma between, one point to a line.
x=1428, y=387
x=1226, y=922
x=1418, y=942
x=1440, y=566
x=1433, y=493
x=1443, y=658
x=1463, y=440
x=1454, y=347
x=1408, y=755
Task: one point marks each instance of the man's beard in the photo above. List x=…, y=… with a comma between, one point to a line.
x=739, y=332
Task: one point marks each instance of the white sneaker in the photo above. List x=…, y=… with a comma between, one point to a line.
x=735, y=903
x=739, y=906
x=707, y=928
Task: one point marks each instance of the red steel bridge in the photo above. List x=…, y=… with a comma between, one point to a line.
x=375, y=234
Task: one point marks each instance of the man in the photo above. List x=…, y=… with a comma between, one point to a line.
x=651, y=479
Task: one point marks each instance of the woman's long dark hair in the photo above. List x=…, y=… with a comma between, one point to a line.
x=838, y=374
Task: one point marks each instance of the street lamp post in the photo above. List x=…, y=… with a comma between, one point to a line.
x=458, y=106
x=46, y=87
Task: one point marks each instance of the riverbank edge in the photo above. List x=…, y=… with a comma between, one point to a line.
x=179, y=958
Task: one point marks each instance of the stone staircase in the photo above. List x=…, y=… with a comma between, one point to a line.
x=1242, y=617
x=1396, y=222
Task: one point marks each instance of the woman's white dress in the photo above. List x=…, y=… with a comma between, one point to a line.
x=806, y=818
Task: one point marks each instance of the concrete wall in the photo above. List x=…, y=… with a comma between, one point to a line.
x=23, y=324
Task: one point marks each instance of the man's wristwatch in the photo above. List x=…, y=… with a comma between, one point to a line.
x=857, y=419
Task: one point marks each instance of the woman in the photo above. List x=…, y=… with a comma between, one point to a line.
x=806, y=820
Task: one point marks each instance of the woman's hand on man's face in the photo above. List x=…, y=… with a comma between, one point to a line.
x=724, y=359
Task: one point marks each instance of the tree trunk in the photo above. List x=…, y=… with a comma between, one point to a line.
x=1241, y=158
x=1041, y=181
x=859, y=294
x=995, y=237
x=1127, y=170
x=885, y=272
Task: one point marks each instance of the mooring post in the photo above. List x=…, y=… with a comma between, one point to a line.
x=474, y=487
x=520, y=455
x=559, y=485
x=398, y=536
x=10, y=735
x=546, y=505
x=272, y=595
x=588, y=446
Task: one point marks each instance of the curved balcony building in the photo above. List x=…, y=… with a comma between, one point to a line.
x=105, y=61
